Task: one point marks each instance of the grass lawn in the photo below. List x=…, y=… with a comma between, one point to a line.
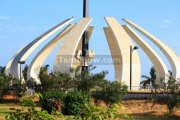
x=5, y=109
x=140, y=110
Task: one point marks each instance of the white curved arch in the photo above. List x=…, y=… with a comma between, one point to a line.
x=114, y=49
x=76, y=60
x=160, y=67
x=63, y=61
x=37, y=62
x=28, y=49
x=7, y=70
x=123, y=42
x=170, y=55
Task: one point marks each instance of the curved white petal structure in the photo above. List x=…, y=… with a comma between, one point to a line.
x=115, y=52
x=76, y=60
x=160, y=67
x=37, y=62
x=12, y=66
x=170, y=55
x=123, y=41
x=7, y=70
x=64, y=58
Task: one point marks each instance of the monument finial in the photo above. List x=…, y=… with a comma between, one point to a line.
x=85, y=8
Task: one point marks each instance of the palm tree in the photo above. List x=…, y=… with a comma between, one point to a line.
x=2, y=70
x=149, y=80
x=44, y=70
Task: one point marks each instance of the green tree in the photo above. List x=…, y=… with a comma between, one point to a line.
x=62, y=81
x=112, y=92
x=45, y=78
x=25, y=72
x=2, y=70
x=44, y=70
x=87, y=81
x=74, y=80
x=173, y=87
x=8, y=82
x=170, y=94
x=150, y=80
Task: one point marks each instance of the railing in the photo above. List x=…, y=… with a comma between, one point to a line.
x=141, y=88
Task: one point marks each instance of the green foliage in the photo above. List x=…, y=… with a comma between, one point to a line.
x=70, y=93
x=98, y=113
x=112, y=92
x=171, y=93
x=75, y=80
x=25, y=72
x=77, y=85
x=45, y=78
x=173, y=88
x=74, y=102
x=172, y=102
x=46, y=82
x=10, y=83
x=150, y=80
x=62, y=81
x=172, y=84
x=2, y=70
x=87, y=81
x=53, y=94
x=31, y=84
x=30, y=113
x=52, y=101
x=27, y=102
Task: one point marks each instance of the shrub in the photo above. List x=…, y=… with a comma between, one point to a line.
x=112, y=92
x=54, y=94
x=30, y=114
x=98, y=113
x=74, y=102
x=170, y=96
x=52, y=100
x=10, y=83
x=172, y=101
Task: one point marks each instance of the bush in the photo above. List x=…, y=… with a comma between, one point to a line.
x=172, y=102
x=70, y=104
x=54, y=94
x=170, y=96
x=98, y=113
x=74, y=102
x=28, y=112
x=30, y=115
x=52, y=101
x=112, y=92
x=10, y=83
